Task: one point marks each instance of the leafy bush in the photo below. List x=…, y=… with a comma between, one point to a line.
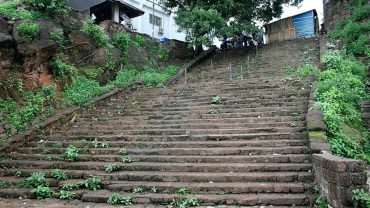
x=71, y=153
x=28, y=31
x=67, y=195
x=35, y=180
x=43, y=192
x=340, y=89
x=93, y=72
x=60, y=175
x=361, y=199
x=125, y=78
x=111, y=167
x=63, y=70
x=154, y=78
x=51, y=6
x=3, y=185
x=122, y=41
x=93, y=183
x=96, y=33
x=83, y=90
x=321, y=202
x=58, y=36
x=10, y=9
x=118, y=199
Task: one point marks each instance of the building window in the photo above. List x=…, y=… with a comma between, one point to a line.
x=156, y=20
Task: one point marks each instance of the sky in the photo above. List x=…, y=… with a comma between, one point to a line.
x=306, y=5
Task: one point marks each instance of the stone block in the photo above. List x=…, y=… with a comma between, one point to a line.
x=342, y=179
x=316, y=125
x=359, y=178
x=320, y=135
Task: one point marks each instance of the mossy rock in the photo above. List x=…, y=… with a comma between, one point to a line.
x=321, y=135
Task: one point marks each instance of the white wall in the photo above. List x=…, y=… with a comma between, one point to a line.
x=142, y=24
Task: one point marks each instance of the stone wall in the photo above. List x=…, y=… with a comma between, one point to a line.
x=335, y=10
x=337, y=177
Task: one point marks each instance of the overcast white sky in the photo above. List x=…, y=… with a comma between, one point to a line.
x=306, y=5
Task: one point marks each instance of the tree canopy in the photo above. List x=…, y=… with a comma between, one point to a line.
x=202, y=20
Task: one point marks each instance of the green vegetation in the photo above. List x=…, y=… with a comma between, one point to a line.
x=127, y=159
x=184, y=202
x=321, y=202
x=18, y=174
x=339, y=91
x=96, y=34
x=137, y=190
x=67, y=195
x=353, y=30
x=93, y=183
x=50, y=6
x=118, y=199
x=361, y=198
x=183, y=191
x=33, y=181
x=58, y=36
x=213, y=111
x=111, y=167
x=10, y=9
x=60, y=175
x=154, y=189
x=43, y=192
x=123, y=151
x=61, y=69
x=3, y=185
x=97, y=144
x=71, y=153
x=28, y=31
x=122, y=41
x=71, y=186
x=216, y=100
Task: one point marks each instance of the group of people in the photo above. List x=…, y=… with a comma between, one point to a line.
x=244, y=39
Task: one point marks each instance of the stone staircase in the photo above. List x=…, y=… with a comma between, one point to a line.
x=250, y=149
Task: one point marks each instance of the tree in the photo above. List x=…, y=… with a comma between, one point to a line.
x=202, y=20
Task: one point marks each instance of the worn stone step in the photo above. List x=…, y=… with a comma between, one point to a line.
x=209, y=199
x=172, y=167
x=213, y=187
x=171, y=144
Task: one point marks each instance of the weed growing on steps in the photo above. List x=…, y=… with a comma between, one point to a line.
x=71, y=153
x=3, y=185
x=184, y=202
x=97, y=144
x=93, y=183
x=213, y=111
x=67, y=195
x=18, y=174
x=59, y=175
x=118, y=199
x=111, y=167
x=138, y=190
x=127, y=159
x=216, y=100
x=183, y=191
x=34, y=180
x=57, y=145
x=43, y=192
x=154, y=189
x=71, y=186
x=361, y=198
x=321, y=202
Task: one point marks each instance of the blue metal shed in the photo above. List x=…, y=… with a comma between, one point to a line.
x=299, y=26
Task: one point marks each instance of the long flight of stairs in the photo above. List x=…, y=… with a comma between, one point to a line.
x=249, y=148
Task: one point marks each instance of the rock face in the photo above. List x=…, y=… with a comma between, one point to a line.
x=180, y=50
x=35, y=55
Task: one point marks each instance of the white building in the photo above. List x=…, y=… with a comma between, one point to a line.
x=164, y=24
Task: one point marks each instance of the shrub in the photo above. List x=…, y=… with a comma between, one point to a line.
x=67, y=195
x=33, y=181
x=58, y=36
x=93, y=183
x=361, y=198
x=96, y=34
x=10, y=9
x=43, y=192
x=61, y=69
x=93, y=72
x=117, y=199
x=51, y=6
x=71, y=153
x=122, y=41
x=125, y=78
x=60, y=175
x=28, y=31
x=3, y=185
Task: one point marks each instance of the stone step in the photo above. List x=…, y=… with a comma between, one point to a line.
x=213, y=187
x=306, y=177
x=171, y=144
x=185, y=151
x=171, y=167
x=115, y=157
x=210, y=199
